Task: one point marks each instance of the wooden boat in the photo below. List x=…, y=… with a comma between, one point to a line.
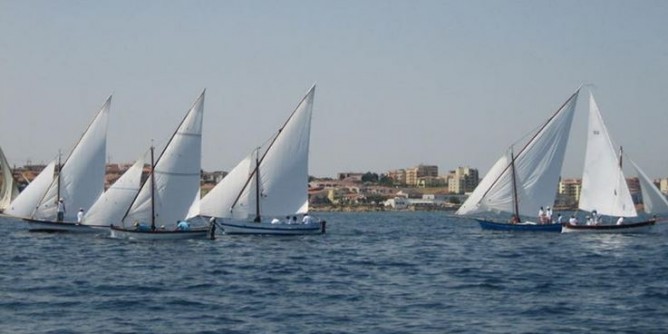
x=520, y=184
x=273, y=183
x=78, y=183
x=604, y=188
x=166, y=197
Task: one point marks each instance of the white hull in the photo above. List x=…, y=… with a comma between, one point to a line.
x=51, y=226
x=198, y=233
x=642, y=227
x=246, y=227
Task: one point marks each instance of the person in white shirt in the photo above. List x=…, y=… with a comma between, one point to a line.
x=559, y=218
x=620, y=221
x=80, y=215
x=275, y=221
x=541, y=215
x=307, y=219
x=548, y=214
x=573, y=220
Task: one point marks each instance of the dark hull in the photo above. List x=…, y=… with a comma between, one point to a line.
x=498, y=226
x=37, y=225
x=122, y=233
x=624, y=228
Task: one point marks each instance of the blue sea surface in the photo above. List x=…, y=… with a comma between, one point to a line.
x=408, y=272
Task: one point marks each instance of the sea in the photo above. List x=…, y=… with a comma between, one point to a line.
x=381, y=272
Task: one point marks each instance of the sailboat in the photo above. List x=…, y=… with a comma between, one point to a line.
x=604, y=189
x=8, y=189
x=520, y=184
x=269, y=183
x=167, y=195
x=79, y=181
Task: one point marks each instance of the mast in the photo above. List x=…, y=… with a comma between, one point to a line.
x=516, y=205
x=58, y=184
x=257, y=186
x=152, y=192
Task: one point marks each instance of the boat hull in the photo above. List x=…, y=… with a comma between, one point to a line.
x=640, y=227
x=245, y=227
x=121, y=233
x=525, y=227
x=36, y=225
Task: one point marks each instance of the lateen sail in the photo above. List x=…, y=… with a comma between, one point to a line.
x=9, y=189
x=604, y=187
x=653, y=200
x=283, y=174
x=113, y=203
x=26, y=202
x=81, y=180
x=537, y=170
x=177, y=174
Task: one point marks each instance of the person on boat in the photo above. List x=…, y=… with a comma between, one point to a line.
x=287, y=220
x=541, y=215
x=307, y=219
x=80, y=215
x=141, y=227
x=275, y=221
x=548, y=215
x=559, y=218
x=61, y=210
x=514, y=219
x=590, y=221
x=573, y=220
x=620, y=221
x=294, y=220
x=595, y=217
x=183, y=226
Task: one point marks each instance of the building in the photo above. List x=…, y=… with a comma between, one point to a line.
x=350, y=176
x=663, y=185
x=398, y=176
x=414, y=174
x=462, y=180
x=570, y=189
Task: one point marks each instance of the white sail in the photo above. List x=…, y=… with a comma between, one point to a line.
x=81, y=179
x=9, y=189
x=113, y=203
x=653, y=200
x=604, y=187
x=194, y=211
x=537, y=170
x=176, y=174
x=26, y=202
x=283, y=174
x=218, y=202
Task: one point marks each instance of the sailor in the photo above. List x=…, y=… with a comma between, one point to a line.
x=590, y=221
x=294, y=220
x=595, y=216
x=80, y=215
x=287, y=220
x=307, y=219
x=548, y=214
x=573, y=220
x=541, y=215
x=620, y=221
x=559, y=218
x=61, y=210
x=275, y=221
x=183, y=225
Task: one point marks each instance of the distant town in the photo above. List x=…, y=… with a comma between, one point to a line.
x=416, y=188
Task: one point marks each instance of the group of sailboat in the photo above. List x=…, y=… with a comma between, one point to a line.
x=167, y=204
x=519, y=184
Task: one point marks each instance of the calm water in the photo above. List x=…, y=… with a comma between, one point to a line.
x=371, y=273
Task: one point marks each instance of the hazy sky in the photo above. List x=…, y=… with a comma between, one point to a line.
x=399, y=83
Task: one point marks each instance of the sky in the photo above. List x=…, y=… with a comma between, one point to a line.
x=399, y=83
